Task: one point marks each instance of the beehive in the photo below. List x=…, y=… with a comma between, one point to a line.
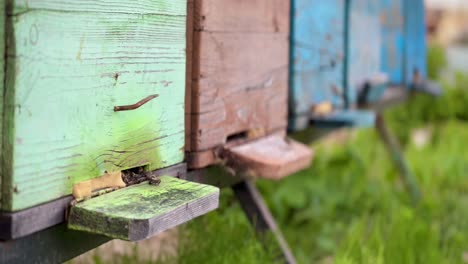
x=238, y=74
x=68, y=64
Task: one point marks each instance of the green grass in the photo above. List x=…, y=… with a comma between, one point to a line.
x=350, y=205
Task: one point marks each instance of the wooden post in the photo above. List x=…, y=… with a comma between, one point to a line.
x=260, y=217
x=398, y=158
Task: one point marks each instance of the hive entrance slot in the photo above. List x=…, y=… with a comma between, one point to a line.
x=136, y=175
x=241, y=136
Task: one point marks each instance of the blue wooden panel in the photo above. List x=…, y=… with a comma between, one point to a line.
x=415, y=49
x=317, y=54
x=392, y=19
x=364, y=47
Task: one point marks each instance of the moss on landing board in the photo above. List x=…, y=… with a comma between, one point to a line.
x=144, y=210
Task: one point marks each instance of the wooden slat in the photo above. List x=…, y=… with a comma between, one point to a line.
x=254, y=16
x=415, y=52
x=141, y=211
x=273, y=157
x=394, y=41
x=317, y=55
x=66, y=72
x=2, y=81
x=364, y=47
x=50, y=246
x=172, y=7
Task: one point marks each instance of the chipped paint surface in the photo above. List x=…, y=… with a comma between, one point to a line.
x=365, y=45
x=317, y=53
x=392, y=18
x=415, y=45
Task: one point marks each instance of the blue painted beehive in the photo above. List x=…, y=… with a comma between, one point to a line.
x=345, y=52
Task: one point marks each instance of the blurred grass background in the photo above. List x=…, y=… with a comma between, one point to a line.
x=350, y=206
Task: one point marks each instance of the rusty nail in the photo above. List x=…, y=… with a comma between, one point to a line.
x=135, y=106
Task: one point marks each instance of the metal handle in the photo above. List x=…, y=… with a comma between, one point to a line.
x=136, y=105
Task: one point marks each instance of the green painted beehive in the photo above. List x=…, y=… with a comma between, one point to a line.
x=68, y=65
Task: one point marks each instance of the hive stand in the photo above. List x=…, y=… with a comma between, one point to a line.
x=237, y=89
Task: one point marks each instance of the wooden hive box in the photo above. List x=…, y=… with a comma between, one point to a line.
x=72, y=67
x=238, y=86
x=322, y=71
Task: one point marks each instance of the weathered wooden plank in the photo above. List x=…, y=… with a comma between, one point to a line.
x=141, y=211
x=272, y=157
x=415, y=46
x=25, y=222
x=66, y=72
x=239, y=73
x=317, y=54
x=172, y=7
x=392, y=21
x=365, y=45
x=2, y=80
x=255, y=16
x=251, y=92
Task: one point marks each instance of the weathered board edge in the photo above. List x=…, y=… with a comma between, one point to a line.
x=126, y=223
x=415, y=46
x=182, y=214
x=8, y=112
x=26, y=222
x=53, y=245
x=2, y=81
x=188, y=72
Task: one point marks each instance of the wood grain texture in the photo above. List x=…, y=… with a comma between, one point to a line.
x=239, y=71
x=162, y=7
x=68, y=64
x=272, y=157
x=141, y=211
